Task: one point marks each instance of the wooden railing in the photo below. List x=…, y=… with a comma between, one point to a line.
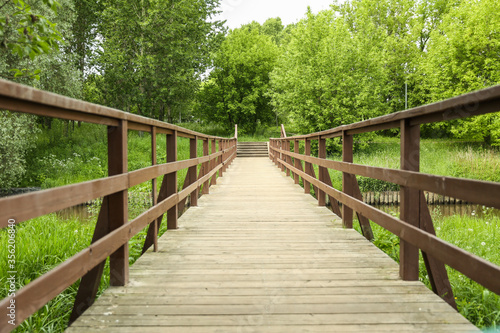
x=113, y=229
x=414, y=227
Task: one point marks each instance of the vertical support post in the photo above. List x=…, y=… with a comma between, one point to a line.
x=347, y=182
x=282, y=147
x=172, y=213
x=214, y=164
x=297, y=162
x=118, y=202
x=154, y=186
x=205, y=167
x=221, y=158
x=322, y=170
x=410, y=199
x=193, y=153
x=307, y=165
x=288, y=159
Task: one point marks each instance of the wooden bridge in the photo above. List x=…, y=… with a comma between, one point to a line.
x=255, y=252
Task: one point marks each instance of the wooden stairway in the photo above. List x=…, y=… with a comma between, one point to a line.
x=252, y=149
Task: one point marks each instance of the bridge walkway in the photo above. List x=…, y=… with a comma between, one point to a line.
x=258, y=255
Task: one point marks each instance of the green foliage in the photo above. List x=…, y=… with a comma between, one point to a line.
x=27, y=33
x=65, y=156
x=327, y=76
x=235, y=92
x=462, y=57
x=15, y=142
x=154, y=52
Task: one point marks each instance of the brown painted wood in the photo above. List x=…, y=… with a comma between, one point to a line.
x=172, y=213
x=193, y=153
x=364, y=223
x=89, y=284
x=213, y=163
x=469, y=190
x=347, y=179
x=436, y=270
x=27, y=206
x=221, y=158
x=118, y=202
x=288, y=158
x=205, y=168
x=322, y=171
x=307, y=166
x=296, y=161
x=154, y=161
x=410, y=199
x=155, y=227
x=17, y=97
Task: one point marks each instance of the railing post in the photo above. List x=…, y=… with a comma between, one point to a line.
x=221, y=158
x=193, y=153
x=213, y=163
x=307, y=165
x=118, y=202
x=282, y=147
x=172, y=213
x=410, y=199
x=347, y=183
x=322, y=170
x=205, y=167
x=297, y=161
x=154, y=186
x=288, y=159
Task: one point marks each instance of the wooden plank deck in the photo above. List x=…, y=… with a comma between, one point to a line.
x=258, y=255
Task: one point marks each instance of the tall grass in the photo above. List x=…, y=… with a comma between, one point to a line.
x=475, y=233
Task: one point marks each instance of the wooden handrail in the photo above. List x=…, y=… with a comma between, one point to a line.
x=113, y=229
x=415, y=227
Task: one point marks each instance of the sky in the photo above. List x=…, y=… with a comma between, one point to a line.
x=238, y=12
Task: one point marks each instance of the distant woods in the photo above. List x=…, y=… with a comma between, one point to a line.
x=172, y=60
x=358, y=60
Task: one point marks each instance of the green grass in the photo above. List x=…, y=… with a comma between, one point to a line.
x=475, y=233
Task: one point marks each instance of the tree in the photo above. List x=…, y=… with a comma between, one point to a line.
x=328, y=76
x=236, y=90
x=463, y=56
x=26, y=33
x=154, y=52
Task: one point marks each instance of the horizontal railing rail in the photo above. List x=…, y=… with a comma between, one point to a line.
x=415, y=226
x=113, y=229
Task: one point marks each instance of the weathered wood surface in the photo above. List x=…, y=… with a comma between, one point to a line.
x=259, y=255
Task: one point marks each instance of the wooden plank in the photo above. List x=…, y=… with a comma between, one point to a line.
x=347, y=179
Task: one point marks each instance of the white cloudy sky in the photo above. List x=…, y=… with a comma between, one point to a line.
x=238, y=12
